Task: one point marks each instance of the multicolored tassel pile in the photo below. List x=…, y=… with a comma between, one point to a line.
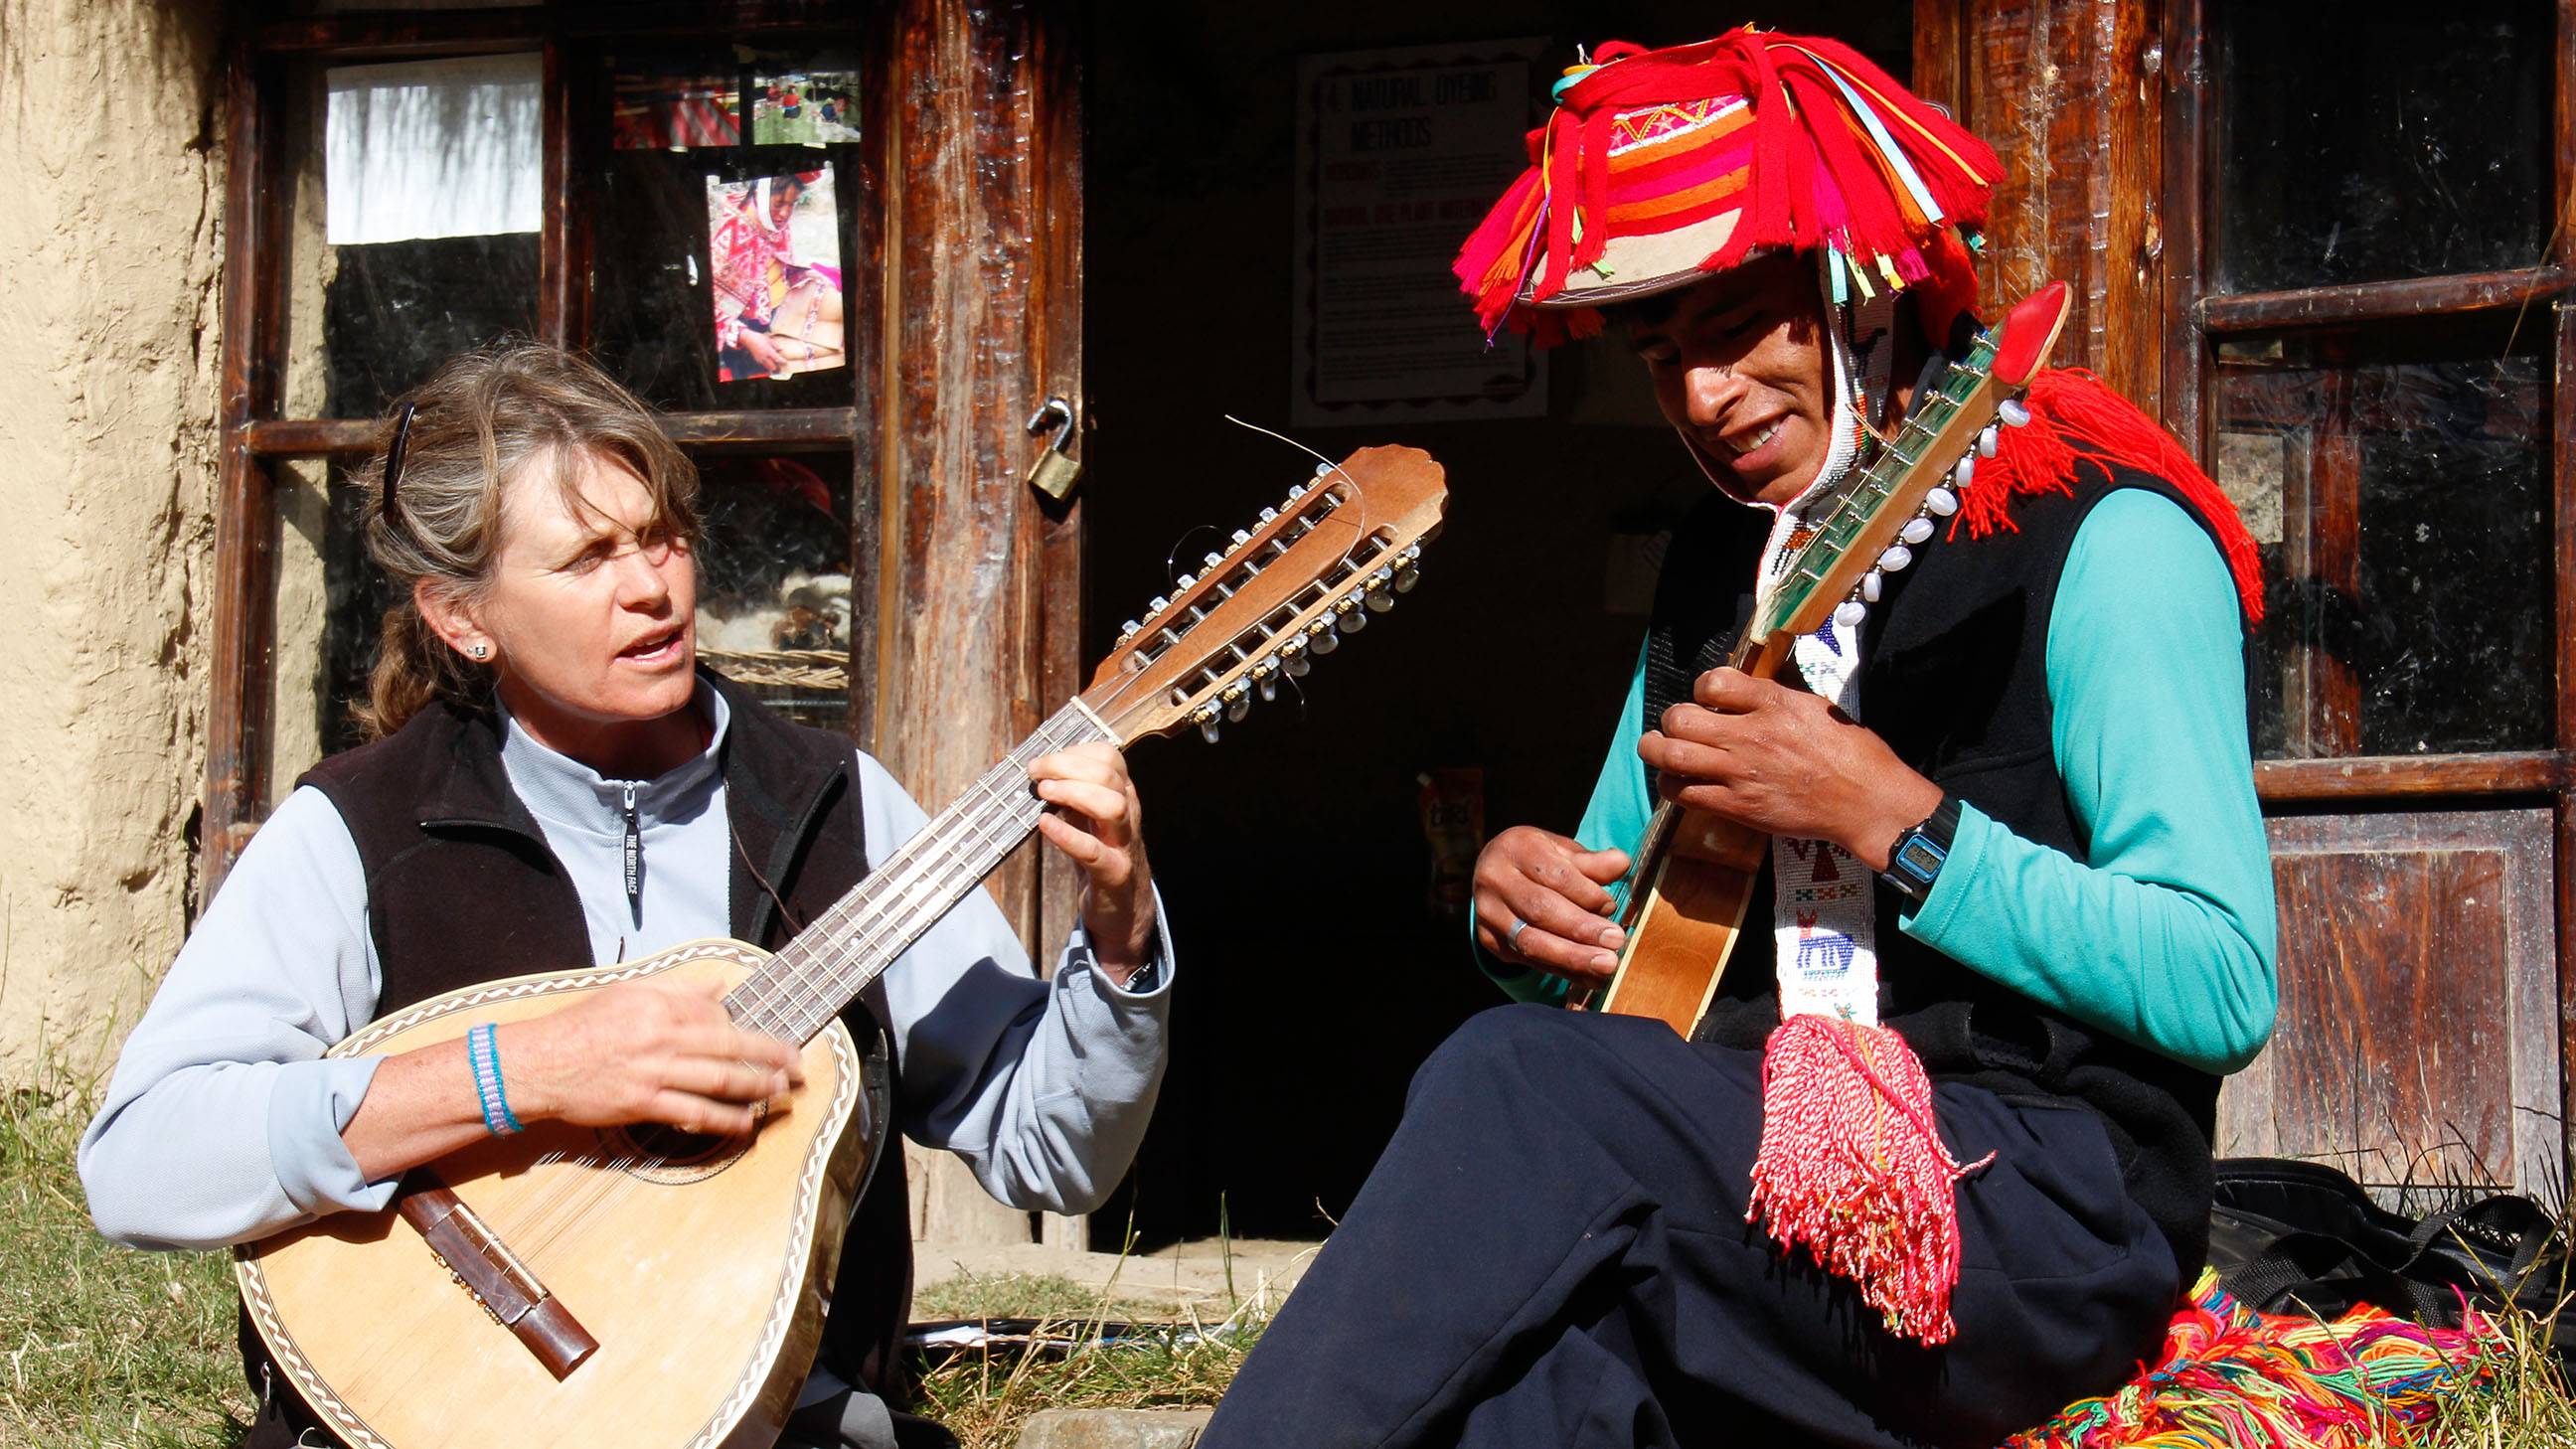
x=1853, y=1167
x=2233, y=1378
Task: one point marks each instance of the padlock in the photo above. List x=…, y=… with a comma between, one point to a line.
x=1055, y=471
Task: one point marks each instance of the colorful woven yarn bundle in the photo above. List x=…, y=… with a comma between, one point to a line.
x=2233, y=1378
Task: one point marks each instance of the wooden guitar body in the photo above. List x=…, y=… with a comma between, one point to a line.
x=702, y=1272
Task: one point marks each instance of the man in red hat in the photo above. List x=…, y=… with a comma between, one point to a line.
x=2018, y=883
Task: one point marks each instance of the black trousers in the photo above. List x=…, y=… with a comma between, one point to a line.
x=1552, y=1252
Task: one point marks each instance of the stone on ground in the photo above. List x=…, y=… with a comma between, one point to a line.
x=1113, y=1429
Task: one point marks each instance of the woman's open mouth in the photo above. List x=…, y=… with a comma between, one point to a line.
x=658, y=648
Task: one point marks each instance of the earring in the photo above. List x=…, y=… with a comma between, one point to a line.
x=479, y=650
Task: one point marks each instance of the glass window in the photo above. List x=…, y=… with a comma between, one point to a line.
x=375, y=275
x=2373, y=141
x=717, y=273
x=2398, y=482
x=774, y=605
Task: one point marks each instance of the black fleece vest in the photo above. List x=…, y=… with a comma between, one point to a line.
x=1954, y=678
x=461, y=888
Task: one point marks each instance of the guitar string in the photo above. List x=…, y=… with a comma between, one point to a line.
x=957, y=851
x=988, y=832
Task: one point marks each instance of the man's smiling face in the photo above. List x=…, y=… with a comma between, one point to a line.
x=1738, y=363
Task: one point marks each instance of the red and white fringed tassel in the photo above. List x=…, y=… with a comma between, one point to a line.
x=1852, y=1166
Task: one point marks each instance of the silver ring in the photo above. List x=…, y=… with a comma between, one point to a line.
x=1512, y=937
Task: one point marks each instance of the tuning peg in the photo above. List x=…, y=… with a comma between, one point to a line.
x=1269, y=514
x=1896, y=557
x=1128, y=630
x=1296, y=491
x=1850, y=612
x=1872, y=584
x=1156, y=605
x=1188, y=579
x=1915, y=530
x=1351, y=619
x=1322, y=469
x=1986, y=442
x=1942, y=502
x=1325, y=640
x=1207, y=729
x=1269, y=686
x=1235, y=712
x=1406, y=577
x=1966, y=470
x=1212, y=560
x=1296, y=668
x=2013, y=411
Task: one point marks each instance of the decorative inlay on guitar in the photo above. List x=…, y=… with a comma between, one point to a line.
x=640, y=1287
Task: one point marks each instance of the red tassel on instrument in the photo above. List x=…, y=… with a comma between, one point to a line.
x=1853, y=1167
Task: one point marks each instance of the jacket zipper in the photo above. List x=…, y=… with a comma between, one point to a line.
x=634, y=855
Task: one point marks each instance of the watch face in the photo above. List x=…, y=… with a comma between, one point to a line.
x=1919, y=857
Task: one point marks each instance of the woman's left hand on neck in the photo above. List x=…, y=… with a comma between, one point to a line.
x=1099, y=824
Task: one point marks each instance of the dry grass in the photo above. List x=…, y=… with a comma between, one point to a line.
x=984, y=1398
x=110, y=1349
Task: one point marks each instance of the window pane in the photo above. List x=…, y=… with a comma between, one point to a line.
x=774, y=606
x=372, y=317
x=2374, y=141
x=702, y=238
x=2398, y=483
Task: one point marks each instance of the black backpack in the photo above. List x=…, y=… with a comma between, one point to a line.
x=2291, y=1237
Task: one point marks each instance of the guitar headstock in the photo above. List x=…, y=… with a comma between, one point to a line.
x=1341, y=547
x=1893, y=508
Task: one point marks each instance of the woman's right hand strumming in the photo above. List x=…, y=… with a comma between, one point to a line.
x=645, y=1051
x=1541, y=903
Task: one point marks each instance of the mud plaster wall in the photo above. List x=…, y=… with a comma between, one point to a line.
x=111, y=229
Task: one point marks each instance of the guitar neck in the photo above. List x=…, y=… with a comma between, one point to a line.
x=810, y=979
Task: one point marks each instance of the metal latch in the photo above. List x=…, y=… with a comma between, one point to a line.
x=1055, y=471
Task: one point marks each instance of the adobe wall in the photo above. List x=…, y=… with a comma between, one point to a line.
x=110, y=160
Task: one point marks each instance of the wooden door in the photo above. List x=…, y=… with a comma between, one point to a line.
x=2334, y=261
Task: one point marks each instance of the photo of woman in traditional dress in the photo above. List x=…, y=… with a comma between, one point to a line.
x=774, y=254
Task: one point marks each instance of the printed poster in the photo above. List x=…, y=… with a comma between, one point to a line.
x=1399, y=153
x=675, y=110
x=815, y=107
x=774, y=269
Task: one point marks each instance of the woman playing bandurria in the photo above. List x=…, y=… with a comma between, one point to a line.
x=554, y=784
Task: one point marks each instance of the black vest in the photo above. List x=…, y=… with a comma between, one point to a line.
x=461, y=888
x=1954, y=678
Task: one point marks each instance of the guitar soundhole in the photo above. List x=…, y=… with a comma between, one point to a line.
x=657, y=1153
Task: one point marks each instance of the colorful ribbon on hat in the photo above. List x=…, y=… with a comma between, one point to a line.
x=1828, y=152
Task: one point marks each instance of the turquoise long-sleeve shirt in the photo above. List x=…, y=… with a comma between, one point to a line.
x=2164, y=934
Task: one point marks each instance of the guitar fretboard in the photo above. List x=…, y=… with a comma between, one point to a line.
x=1923, y=425
x=834, y=958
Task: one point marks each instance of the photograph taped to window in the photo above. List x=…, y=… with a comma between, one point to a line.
x=774, y=264
x=658, y=110
x=808, y=107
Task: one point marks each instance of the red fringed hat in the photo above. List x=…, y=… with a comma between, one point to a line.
x=1661, y=166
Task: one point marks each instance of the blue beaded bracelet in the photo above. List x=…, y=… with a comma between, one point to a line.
x=483, y=1054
